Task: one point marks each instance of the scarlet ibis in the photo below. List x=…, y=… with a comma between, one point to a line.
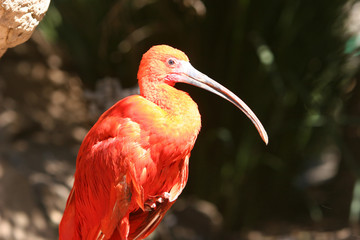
x=133, y=163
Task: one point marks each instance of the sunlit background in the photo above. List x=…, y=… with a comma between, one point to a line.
x=295, y=63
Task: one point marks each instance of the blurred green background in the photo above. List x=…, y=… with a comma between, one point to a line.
x=295, y=63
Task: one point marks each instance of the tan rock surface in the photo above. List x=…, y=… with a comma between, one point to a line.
x=18, y=20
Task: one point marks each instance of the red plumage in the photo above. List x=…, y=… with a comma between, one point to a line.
x=133, y=163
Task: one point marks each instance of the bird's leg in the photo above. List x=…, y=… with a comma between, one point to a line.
x=152, y=201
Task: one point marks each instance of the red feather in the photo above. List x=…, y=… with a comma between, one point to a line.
x=123, y=167
x=133, y=163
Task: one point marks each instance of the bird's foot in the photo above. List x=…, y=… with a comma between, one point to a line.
x=152, y=201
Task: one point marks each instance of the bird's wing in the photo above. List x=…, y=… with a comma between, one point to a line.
x=109, y=176
x=115, y=217
x=144, y=223
x=110, y=163
x=115, y=186
x=66, y=227
x=116, y=214
x=99, y=200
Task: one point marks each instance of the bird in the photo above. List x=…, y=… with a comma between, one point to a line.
x=133, y=163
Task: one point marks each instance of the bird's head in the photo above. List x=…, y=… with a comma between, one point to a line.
x=159, y=63
x=164, y=64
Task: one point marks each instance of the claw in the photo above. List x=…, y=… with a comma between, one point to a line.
x=166, y=195
x=152, y=201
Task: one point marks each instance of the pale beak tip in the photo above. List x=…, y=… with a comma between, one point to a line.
x=265, y=139
x=263, y=133
x=259, y=127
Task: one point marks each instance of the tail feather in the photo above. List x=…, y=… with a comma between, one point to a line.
x=143, y=223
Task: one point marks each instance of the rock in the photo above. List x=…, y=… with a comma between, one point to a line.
x=18, y=20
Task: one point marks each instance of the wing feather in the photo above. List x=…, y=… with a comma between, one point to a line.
x=114, y=163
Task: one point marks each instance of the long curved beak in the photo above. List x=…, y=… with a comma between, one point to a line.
x=186, y=73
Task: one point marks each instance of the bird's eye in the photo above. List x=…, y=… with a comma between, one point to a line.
x=171, y=61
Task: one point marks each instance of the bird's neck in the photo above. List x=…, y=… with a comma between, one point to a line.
x=170, y=99
x=181, y=111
